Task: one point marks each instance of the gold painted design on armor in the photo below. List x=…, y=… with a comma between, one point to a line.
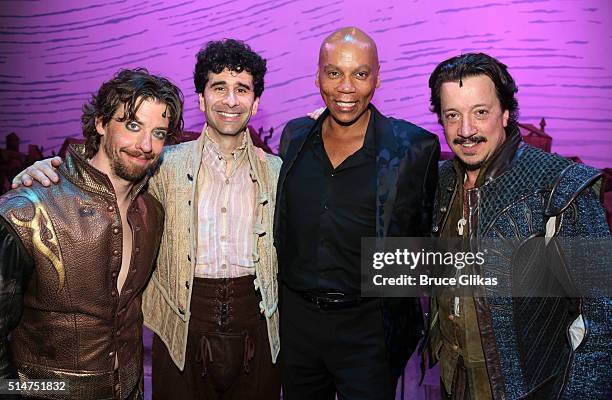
x=42, y=218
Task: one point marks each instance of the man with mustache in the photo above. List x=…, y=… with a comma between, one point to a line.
x=75, y=257
x=499, y=188
x=212, y=300
x=353, y=173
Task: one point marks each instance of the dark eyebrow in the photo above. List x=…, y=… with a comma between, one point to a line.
x=139, y=122
x=244, y=85
x=221, y=83
x=127, y=120
x=217, y=83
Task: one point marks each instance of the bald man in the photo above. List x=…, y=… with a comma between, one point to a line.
x=352, y=173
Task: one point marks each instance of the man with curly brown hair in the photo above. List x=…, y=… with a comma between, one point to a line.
x=212, y=301
x=75, y=257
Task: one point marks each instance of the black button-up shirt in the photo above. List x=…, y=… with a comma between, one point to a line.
x=329, y=210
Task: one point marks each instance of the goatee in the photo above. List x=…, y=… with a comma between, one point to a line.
x=130, y=173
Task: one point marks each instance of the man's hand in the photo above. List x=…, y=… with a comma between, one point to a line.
x=42, y=171
x=315, y=114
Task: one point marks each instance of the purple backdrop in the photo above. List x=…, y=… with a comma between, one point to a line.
x=55, y=53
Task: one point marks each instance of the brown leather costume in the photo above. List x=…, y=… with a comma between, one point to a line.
x=74, y=322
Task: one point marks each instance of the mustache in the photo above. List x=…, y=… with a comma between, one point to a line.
x=140, y=154
x=471, y=139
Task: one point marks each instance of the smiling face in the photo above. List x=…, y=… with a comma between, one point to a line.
x=473, y=119
x=347, y=77
x=229, y=102
x=129, y=148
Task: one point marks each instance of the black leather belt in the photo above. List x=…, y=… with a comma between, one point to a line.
x=332, y=300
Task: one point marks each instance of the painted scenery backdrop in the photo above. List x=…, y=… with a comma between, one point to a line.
x=53, y=54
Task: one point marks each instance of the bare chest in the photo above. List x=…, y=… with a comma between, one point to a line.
x=127, y=251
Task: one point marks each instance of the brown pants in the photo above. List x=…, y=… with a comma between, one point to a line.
x=228, y=353
x=465, y=388
x=461, y=387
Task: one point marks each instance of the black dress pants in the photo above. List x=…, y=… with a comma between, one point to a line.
x=329, y=352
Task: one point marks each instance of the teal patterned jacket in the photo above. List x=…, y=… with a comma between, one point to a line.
x=526, y=340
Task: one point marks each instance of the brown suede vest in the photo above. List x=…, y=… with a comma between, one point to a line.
x=74, y=322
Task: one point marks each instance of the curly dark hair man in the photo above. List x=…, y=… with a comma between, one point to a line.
x=499, y=189
x=473, y=64
x=89, y=242
x=232, y=54
x=215, y=186
x=130, y=87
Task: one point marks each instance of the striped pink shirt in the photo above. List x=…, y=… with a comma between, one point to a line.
x=226, y=205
